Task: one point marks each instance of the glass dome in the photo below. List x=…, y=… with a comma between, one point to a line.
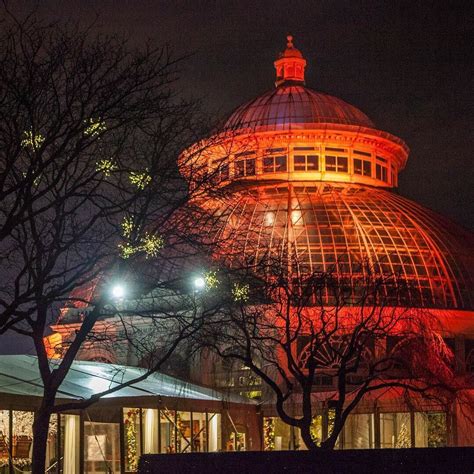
x=293, y=106
x=336, y=227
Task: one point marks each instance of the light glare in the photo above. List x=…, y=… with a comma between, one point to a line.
x=199, y=283
x=118, y=291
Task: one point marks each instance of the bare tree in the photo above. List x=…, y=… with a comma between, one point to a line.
x=90, y=129
x=291, y=330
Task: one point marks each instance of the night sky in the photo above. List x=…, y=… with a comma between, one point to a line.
x=407, y=65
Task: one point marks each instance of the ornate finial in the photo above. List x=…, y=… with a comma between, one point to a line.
x=289, y=44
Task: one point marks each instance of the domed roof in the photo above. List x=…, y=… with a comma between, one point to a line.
x=336, y=228
x=294, y=106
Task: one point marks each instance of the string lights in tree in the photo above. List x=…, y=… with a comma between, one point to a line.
x=151, y=245
x=32, y=140
x=141, y=179
x=106, y=166
x=240, y=293
x=94, y=127
x=211, y=279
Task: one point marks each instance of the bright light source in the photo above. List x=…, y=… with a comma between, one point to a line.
x=118, y=291
x=199, y=283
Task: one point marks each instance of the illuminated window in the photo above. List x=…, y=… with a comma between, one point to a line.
x=306, y=162
x=359, y=432
x=381, y=172
x=362, y=167
x=244, y=167
x=431, y=430
x=395, y=430
x=275, y=164
x=220, y=170
x=339, y=164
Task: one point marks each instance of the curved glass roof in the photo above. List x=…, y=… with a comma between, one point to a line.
x=294, y=106
x=336, y=227
x=19, y=375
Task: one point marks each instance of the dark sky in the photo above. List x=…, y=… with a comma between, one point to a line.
x=407, y=65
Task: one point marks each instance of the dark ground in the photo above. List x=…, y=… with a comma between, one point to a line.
x=393, y=461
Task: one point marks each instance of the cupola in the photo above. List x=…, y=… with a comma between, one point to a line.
x=290, y=65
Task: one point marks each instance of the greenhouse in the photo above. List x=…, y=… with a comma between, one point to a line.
x=161, y=414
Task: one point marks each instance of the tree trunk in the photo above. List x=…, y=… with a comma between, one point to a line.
x=307, y=438
x=40, y=440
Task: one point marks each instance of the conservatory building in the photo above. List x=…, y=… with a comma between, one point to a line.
x=305, y=177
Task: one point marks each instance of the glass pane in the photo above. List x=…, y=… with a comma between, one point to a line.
x=4, y=436
x=22, y=441
x=280, y=163
x=250, y=171
x=312, y=163
x=395, y=430
x=101, y=447
x=215, y=439
x=268, y=166
x=367, y=168
x=239, y=168
x=359, y=432
x=300, y=162
x=70, y=442
x=357, y=166
x=52, y=445
x=199, y=432
x=237, y=441
x=430, y=430
x=183, y=425
x=317, y=429
x=342, y=164
x=150, y=430
x=330, y=163
x=167, y=430
x=131, y=422
x=283, y=439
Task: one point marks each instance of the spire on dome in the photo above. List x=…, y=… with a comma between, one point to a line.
x=290, y=64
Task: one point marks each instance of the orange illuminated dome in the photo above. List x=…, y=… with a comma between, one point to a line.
x=307, y=177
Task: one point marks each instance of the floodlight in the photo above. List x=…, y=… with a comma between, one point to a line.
x=199, y=283
x=118, y=291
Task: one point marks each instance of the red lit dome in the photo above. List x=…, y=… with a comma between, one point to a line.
x=306, y=175
x=336, y=228
x=294, y=107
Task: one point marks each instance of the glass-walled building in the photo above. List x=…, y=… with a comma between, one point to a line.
x=158, y=415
